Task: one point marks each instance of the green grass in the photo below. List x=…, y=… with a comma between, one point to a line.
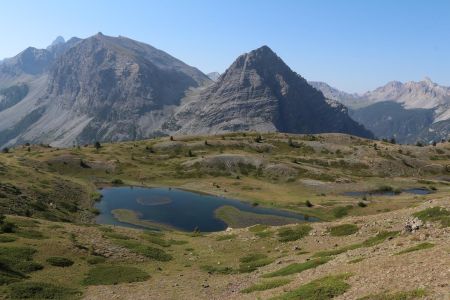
x=408, y=295
x=258, y=228
x=15, y=262
x=237, y=218
x=7, y=239
x=416, y=248
x=266, y=285
x=31, y=234
x=96, y=196
x=147, y=251
x=226, y=237
x=378, y=239
x=117, y=236
x=218, y=270
x=298, y=267
x=343, y=230
x=108, y=275
x=253, y=261
x=320, y=289
x=59, y=261
x=356, y=260
x=293, y=233
x=41, y=290
x=154, y=239
x=264, y=234
x=94, y=260
x=435, y=214
x=340, y=211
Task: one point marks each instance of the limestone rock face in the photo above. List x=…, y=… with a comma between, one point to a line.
x=260, y=92
x=410, y=112
x=113, y=88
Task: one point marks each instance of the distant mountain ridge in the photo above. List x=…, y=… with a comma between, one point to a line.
x=106, y=88
x=423, y=109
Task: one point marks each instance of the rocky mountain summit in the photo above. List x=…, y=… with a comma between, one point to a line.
x=410, y=112
x=114, y=88
x=260, y=92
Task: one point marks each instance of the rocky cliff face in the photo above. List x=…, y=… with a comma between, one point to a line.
x=260, y=92
x=410, y=112
x=113, y=88
x=116, y=81
x=100, y=88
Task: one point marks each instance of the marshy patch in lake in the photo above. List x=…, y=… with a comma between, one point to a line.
x=183, y=210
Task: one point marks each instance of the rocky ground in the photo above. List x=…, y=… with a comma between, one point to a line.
x=380, y=269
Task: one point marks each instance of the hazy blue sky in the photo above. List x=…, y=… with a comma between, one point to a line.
x=354, y=45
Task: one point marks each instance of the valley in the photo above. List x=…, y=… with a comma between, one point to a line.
x=312, y=175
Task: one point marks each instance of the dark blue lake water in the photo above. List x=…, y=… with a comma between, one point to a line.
x=415, y=191
x=181, y=209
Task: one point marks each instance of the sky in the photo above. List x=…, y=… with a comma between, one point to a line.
x=354, y=45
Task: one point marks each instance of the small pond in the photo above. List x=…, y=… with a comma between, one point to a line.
x=182, y=209
x=415, y=191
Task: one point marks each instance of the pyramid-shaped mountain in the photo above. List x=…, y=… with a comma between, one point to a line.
x=260, y=92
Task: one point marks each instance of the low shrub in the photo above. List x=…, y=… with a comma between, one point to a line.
x=343, y=230
x=147, y=251
x=253, y=261
x=266, y=285
x=7, y=239
x=59, y=261
x=40, y=290
x=109, y=275
x=117, y=181
x=293, y=233
x=323, y=288
x=298, y=267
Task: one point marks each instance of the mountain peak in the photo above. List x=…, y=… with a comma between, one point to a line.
x=59, y=40
x=263, y=52
x=428, y=81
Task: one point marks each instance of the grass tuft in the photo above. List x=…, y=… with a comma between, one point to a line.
x=293, y=233
x=7, y=239
x=343, y=230
x=108, y=275
x=378, y=239
x=226, y=237
x=408, y=295
x=416, y=248
x=59, y=261
x=253, y=261
x=434, y=214
x=147, y=251
x=298, y=267
x=266, y=285
x=320, y=289
x=15, y=262
x=41, y=290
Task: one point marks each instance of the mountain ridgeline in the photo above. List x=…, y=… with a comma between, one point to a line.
x=410, y=112
x=113, y=88
x=259, y=92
